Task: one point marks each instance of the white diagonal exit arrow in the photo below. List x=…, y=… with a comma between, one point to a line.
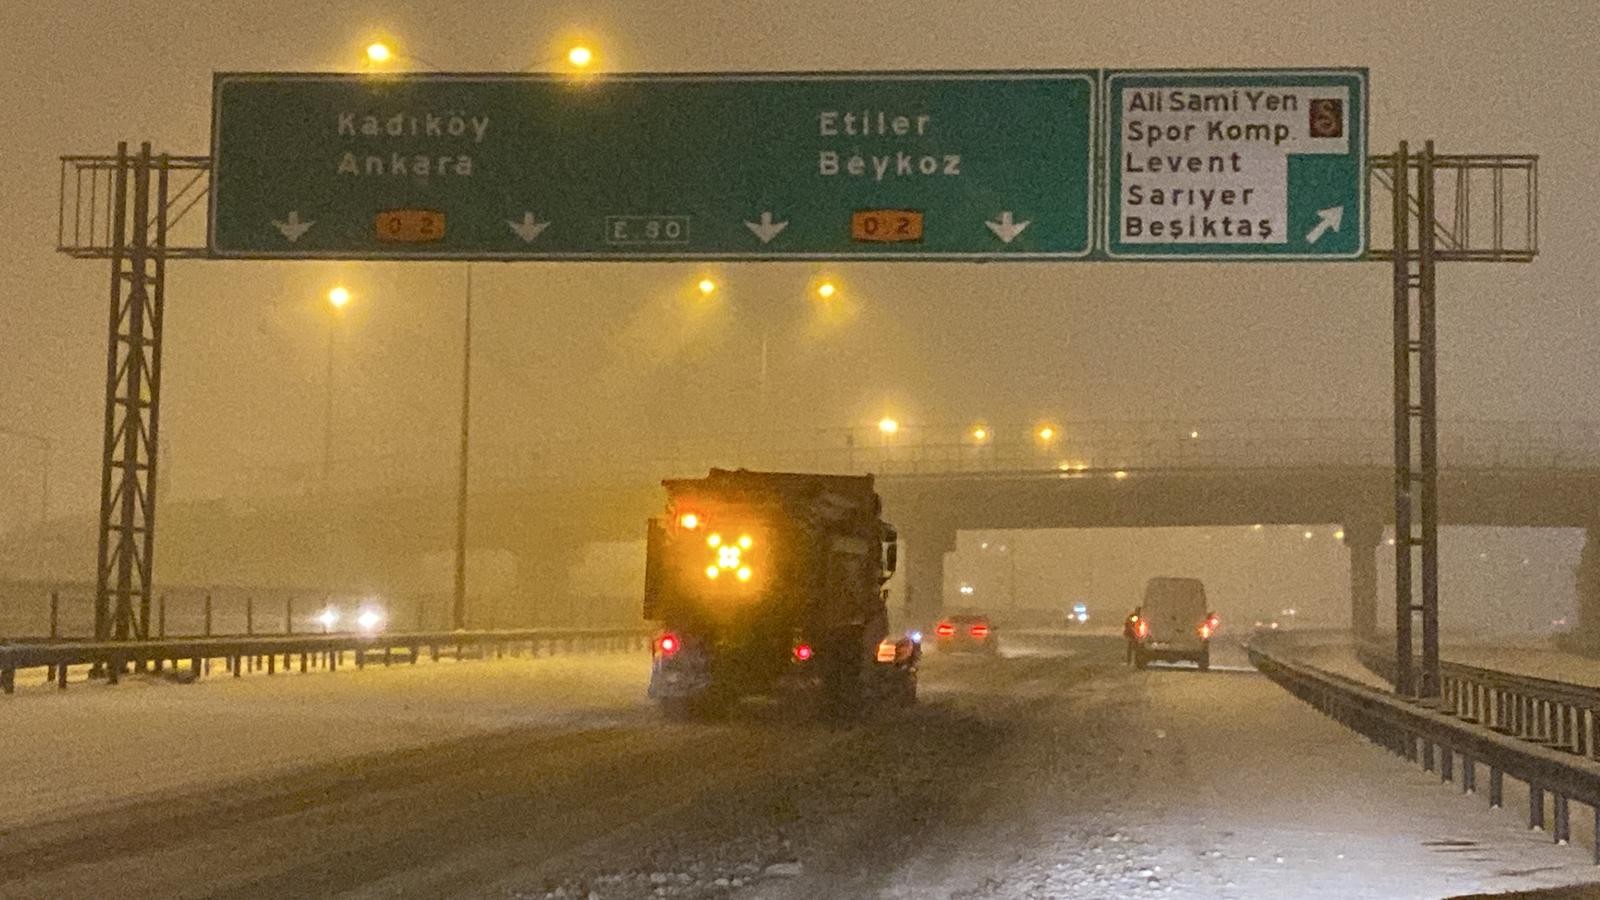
x=766, y=229
x=1006, y=229
x=1328, y=219
x=293, y=228
x=527, y=229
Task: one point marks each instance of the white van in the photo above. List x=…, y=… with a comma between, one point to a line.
x=1173, y=623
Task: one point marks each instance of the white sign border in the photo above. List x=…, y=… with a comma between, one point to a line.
x=1091, y=77
x=1360, y=253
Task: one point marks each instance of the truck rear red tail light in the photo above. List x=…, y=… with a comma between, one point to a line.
x=668, y=644
x=802, y=652
x=945, y=629
x=979, y=631
x=1141, y=628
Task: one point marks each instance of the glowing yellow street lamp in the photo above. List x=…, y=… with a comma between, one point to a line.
x=1045, y=433
x=382, y=53
x=980, y=434
x=707, y=287
x=338, y=297
x=888, y=426
x=580, y=56
x=826, y=290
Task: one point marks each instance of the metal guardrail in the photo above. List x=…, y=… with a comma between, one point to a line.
x=1416, y=730
x=114, y=658
x=1556, y=714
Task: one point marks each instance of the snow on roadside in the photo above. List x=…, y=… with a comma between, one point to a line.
x=1225, y=786
x=97, y=745
x=1536, y=662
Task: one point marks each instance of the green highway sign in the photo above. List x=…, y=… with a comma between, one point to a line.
x=1235, y=164
x=919, y=165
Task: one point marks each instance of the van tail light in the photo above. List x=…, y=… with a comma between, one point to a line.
x=668, y=644
x=945, y=629
x=979, y=631
x=802, y=652
x=1141, y=628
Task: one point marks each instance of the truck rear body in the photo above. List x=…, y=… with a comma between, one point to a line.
x=762, y=581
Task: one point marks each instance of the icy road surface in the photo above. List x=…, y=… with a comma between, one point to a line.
x=1047, y=772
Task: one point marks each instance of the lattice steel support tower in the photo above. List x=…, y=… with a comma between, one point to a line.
x=133, y=395
x=123, y=209
x=1420, y=241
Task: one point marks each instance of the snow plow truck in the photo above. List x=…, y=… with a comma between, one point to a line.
x=772, y=583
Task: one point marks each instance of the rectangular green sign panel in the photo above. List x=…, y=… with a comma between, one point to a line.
x=921, y=165
x=1235, y=164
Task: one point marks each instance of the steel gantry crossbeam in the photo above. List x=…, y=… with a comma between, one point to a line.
x=1420, y=240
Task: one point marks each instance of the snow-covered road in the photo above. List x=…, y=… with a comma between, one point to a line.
x=1052, y=771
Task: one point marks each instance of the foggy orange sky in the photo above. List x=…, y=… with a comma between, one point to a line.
x=610, y=355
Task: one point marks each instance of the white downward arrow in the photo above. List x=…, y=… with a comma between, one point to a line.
x=527, y=229
x=1327, y=218
x=766, y=229
x=293, y=228
x=1006, y=229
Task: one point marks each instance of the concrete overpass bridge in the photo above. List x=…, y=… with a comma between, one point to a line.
x=936, y=482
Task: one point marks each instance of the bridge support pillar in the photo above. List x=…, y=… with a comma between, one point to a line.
x=544, y=589
x=926, y=546
x=1588, y=585
x=1362, y=539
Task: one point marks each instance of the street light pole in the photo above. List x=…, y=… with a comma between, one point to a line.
x=338, y=297
x=1013, y=580
x=459, y=610
x=44, y=486
x=766, y=414
x=327, y=407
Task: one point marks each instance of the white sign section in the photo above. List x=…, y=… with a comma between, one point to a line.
x=1235, y=164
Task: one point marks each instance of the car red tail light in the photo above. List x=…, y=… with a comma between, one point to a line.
x=979, y=631
x=802, y=652
x=945, y=629
x=668, y=644
x=1141, y=628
